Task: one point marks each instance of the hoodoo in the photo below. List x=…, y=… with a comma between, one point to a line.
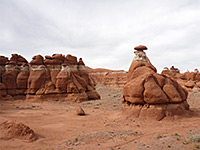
x=189, y=80
x=148, y=94
x=56, y=77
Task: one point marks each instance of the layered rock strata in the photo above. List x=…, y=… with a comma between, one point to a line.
x=110, y=78
x=56, y=77
x=148, y=94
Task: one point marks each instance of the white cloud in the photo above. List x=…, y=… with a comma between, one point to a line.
x=103, y=33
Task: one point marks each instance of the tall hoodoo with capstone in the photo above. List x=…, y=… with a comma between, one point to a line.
x=148, y=94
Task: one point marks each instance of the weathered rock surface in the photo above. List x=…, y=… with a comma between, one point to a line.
x=110, y=78
x=189, y=80
x=54, y=78
x=11, y=71
x=11, y=130
x=148, y=94
x=80, y=111
x=140, y=48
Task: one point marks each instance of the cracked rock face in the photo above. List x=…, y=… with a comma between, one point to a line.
x=54, y=78
x=148, y=94
x=189, y=80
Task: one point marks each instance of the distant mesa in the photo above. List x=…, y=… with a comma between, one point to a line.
x=110, y=78
x=56, y=77
x=150, y=95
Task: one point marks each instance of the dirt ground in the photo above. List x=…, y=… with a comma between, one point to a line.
x=103, y=126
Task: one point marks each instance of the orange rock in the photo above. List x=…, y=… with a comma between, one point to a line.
x=80, y=111
x=153, y=94
x=3, y=60
x=140, y=47
x=111, y=78
x=3, y=89
x=80, y=62
x=37, y=60
x=55, y=78
x=9, y=78
x=71, y=60
x=190, y=84
x=152, y=91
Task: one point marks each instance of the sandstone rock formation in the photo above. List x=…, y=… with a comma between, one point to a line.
x=148, y=94
x=54, y=78
x=188, y=80
x=9, y=76
x=110, y=78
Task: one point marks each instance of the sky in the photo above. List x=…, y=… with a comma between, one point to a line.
x=104, y=32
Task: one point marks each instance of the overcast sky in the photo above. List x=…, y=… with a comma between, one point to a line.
x=104, y=32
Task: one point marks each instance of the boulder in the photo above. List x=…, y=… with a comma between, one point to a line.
x=80, y=111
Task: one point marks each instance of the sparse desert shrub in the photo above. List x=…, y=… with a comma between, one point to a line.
x=195, y=138
x=176, y=134
x=197, y=146
x=159, y=136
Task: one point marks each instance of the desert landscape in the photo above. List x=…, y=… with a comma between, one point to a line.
x=56, y=102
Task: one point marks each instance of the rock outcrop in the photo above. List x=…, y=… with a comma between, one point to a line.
x=54, y=78
x=110, y=78
x=188, y=80
x=10, y=76
x=148, y=94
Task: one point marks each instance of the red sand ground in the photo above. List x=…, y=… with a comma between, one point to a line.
x=58, y=127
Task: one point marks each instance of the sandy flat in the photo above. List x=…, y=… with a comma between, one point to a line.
x=103, y=126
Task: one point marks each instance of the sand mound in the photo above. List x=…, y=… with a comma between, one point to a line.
x=10, y=130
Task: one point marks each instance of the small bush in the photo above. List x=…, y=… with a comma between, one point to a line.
x=176, y=134
x=195, y=138
x=197, y=146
